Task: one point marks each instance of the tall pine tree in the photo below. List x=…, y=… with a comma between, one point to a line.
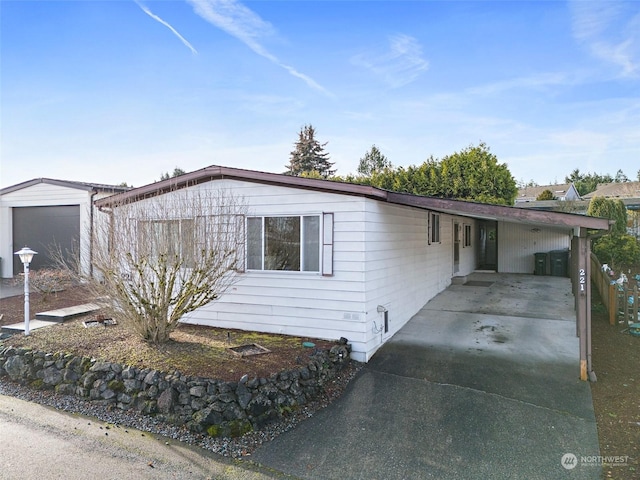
x=309, y=156
x=372, y=162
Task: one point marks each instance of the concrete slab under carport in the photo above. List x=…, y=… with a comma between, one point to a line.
x=460, y=394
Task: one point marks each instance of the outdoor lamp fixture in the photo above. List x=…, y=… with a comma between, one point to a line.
x=26, y=255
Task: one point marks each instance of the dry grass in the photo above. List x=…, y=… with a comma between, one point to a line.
x=192, y=350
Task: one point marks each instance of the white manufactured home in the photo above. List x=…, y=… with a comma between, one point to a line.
x=46, y=214
x=366, y=259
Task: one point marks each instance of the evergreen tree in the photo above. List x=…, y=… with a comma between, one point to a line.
x=587, y=183
x=617, y=248
x=372, y=162
x=176, y=173
x=621, y=177
x=309, y=155
x=471, y=174
x=546, y=195
x=612, y=209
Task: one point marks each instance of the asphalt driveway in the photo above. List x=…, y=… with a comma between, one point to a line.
x=481, y=383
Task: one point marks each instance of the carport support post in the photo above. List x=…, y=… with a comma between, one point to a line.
x=582, y=279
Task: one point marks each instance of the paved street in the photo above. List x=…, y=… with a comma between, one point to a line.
x=41, y=442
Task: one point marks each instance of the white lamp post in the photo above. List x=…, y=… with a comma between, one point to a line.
x=26, y=255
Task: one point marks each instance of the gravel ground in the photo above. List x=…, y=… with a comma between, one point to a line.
x=228, y=447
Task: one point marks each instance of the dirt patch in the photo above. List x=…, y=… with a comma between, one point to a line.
x=12, y=308
x=192, y=350
x=616, y=394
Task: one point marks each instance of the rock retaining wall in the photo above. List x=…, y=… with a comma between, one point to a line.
x=203, y=405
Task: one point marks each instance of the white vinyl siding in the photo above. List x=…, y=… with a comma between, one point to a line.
x=403, y=270
x=372, y=254
x=517, y=244
x=327, y=306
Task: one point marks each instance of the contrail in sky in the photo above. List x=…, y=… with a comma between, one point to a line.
x=247, y=26
x=175, y=32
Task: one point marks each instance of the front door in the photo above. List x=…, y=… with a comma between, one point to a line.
x=488, y=245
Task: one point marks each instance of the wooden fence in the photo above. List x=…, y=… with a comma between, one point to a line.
x=622, y=301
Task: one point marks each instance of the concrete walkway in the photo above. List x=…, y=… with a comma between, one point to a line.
x=50, y=318
x=481, y=383
x=9, y=289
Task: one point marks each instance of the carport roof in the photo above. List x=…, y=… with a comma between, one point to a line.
x=65, y=183
x=443, y=205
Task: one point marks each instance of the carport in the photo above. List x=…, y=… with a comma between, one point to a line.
x=481, y=383
x=578, y=228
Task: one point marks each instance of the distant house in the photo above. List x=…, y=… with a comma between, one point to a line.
x=561, y=193
x=45, y=214
x=629, y=194
x=369, y=258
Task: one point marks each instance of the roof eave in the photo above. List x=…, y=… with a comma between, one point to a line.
x=217, y=173
x=500, y=212
x=88, y=187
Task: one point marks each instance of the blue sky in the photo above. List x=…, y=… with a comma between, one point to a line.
x=123, y=90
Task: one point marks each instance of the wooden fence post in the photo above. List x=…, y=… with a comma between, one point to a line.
x=613, y=304
x=634, y=292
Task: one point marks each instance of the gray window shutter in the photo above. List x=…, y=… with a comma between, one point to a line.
x=327, y=244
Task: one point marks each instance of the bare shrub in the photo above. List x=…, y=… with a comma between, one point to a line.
x=157, y=259
x=47, y=281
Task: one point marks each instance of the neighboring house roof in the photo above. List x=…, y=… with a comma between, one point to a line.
x=561, y=192
x=628, y=192
x=458, y=207
x=66, y=183
x=616, y=190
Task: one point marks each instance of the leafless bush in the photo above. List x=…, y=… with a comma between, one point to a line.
x=47, y=281
x=157, y=259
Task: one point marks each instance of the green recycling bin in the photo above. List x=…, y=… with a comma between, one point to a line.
x=541, y=263
x=559, y=263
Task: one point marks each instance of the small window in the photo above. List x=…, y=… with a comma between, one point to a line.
x=434, y=228
x=467, y=235
x=290, y=243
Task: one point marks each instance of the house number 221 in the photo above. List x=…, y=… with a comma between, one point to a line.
x=582, y=278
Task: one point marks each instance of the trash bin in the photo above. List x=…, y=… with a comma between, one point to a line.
x=559, y=263
x=541, y=263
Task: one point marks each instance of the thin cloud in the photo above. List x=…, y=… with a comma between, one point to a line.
x=611, y=32
x=173, y=30
x=400, y=65
x=245, y=25
x=534, y=82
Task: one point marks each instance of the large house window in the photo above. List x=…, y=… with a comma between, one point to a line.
x=221, y=235
x=290, y=243
x=434, y=228
x=172, y=238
